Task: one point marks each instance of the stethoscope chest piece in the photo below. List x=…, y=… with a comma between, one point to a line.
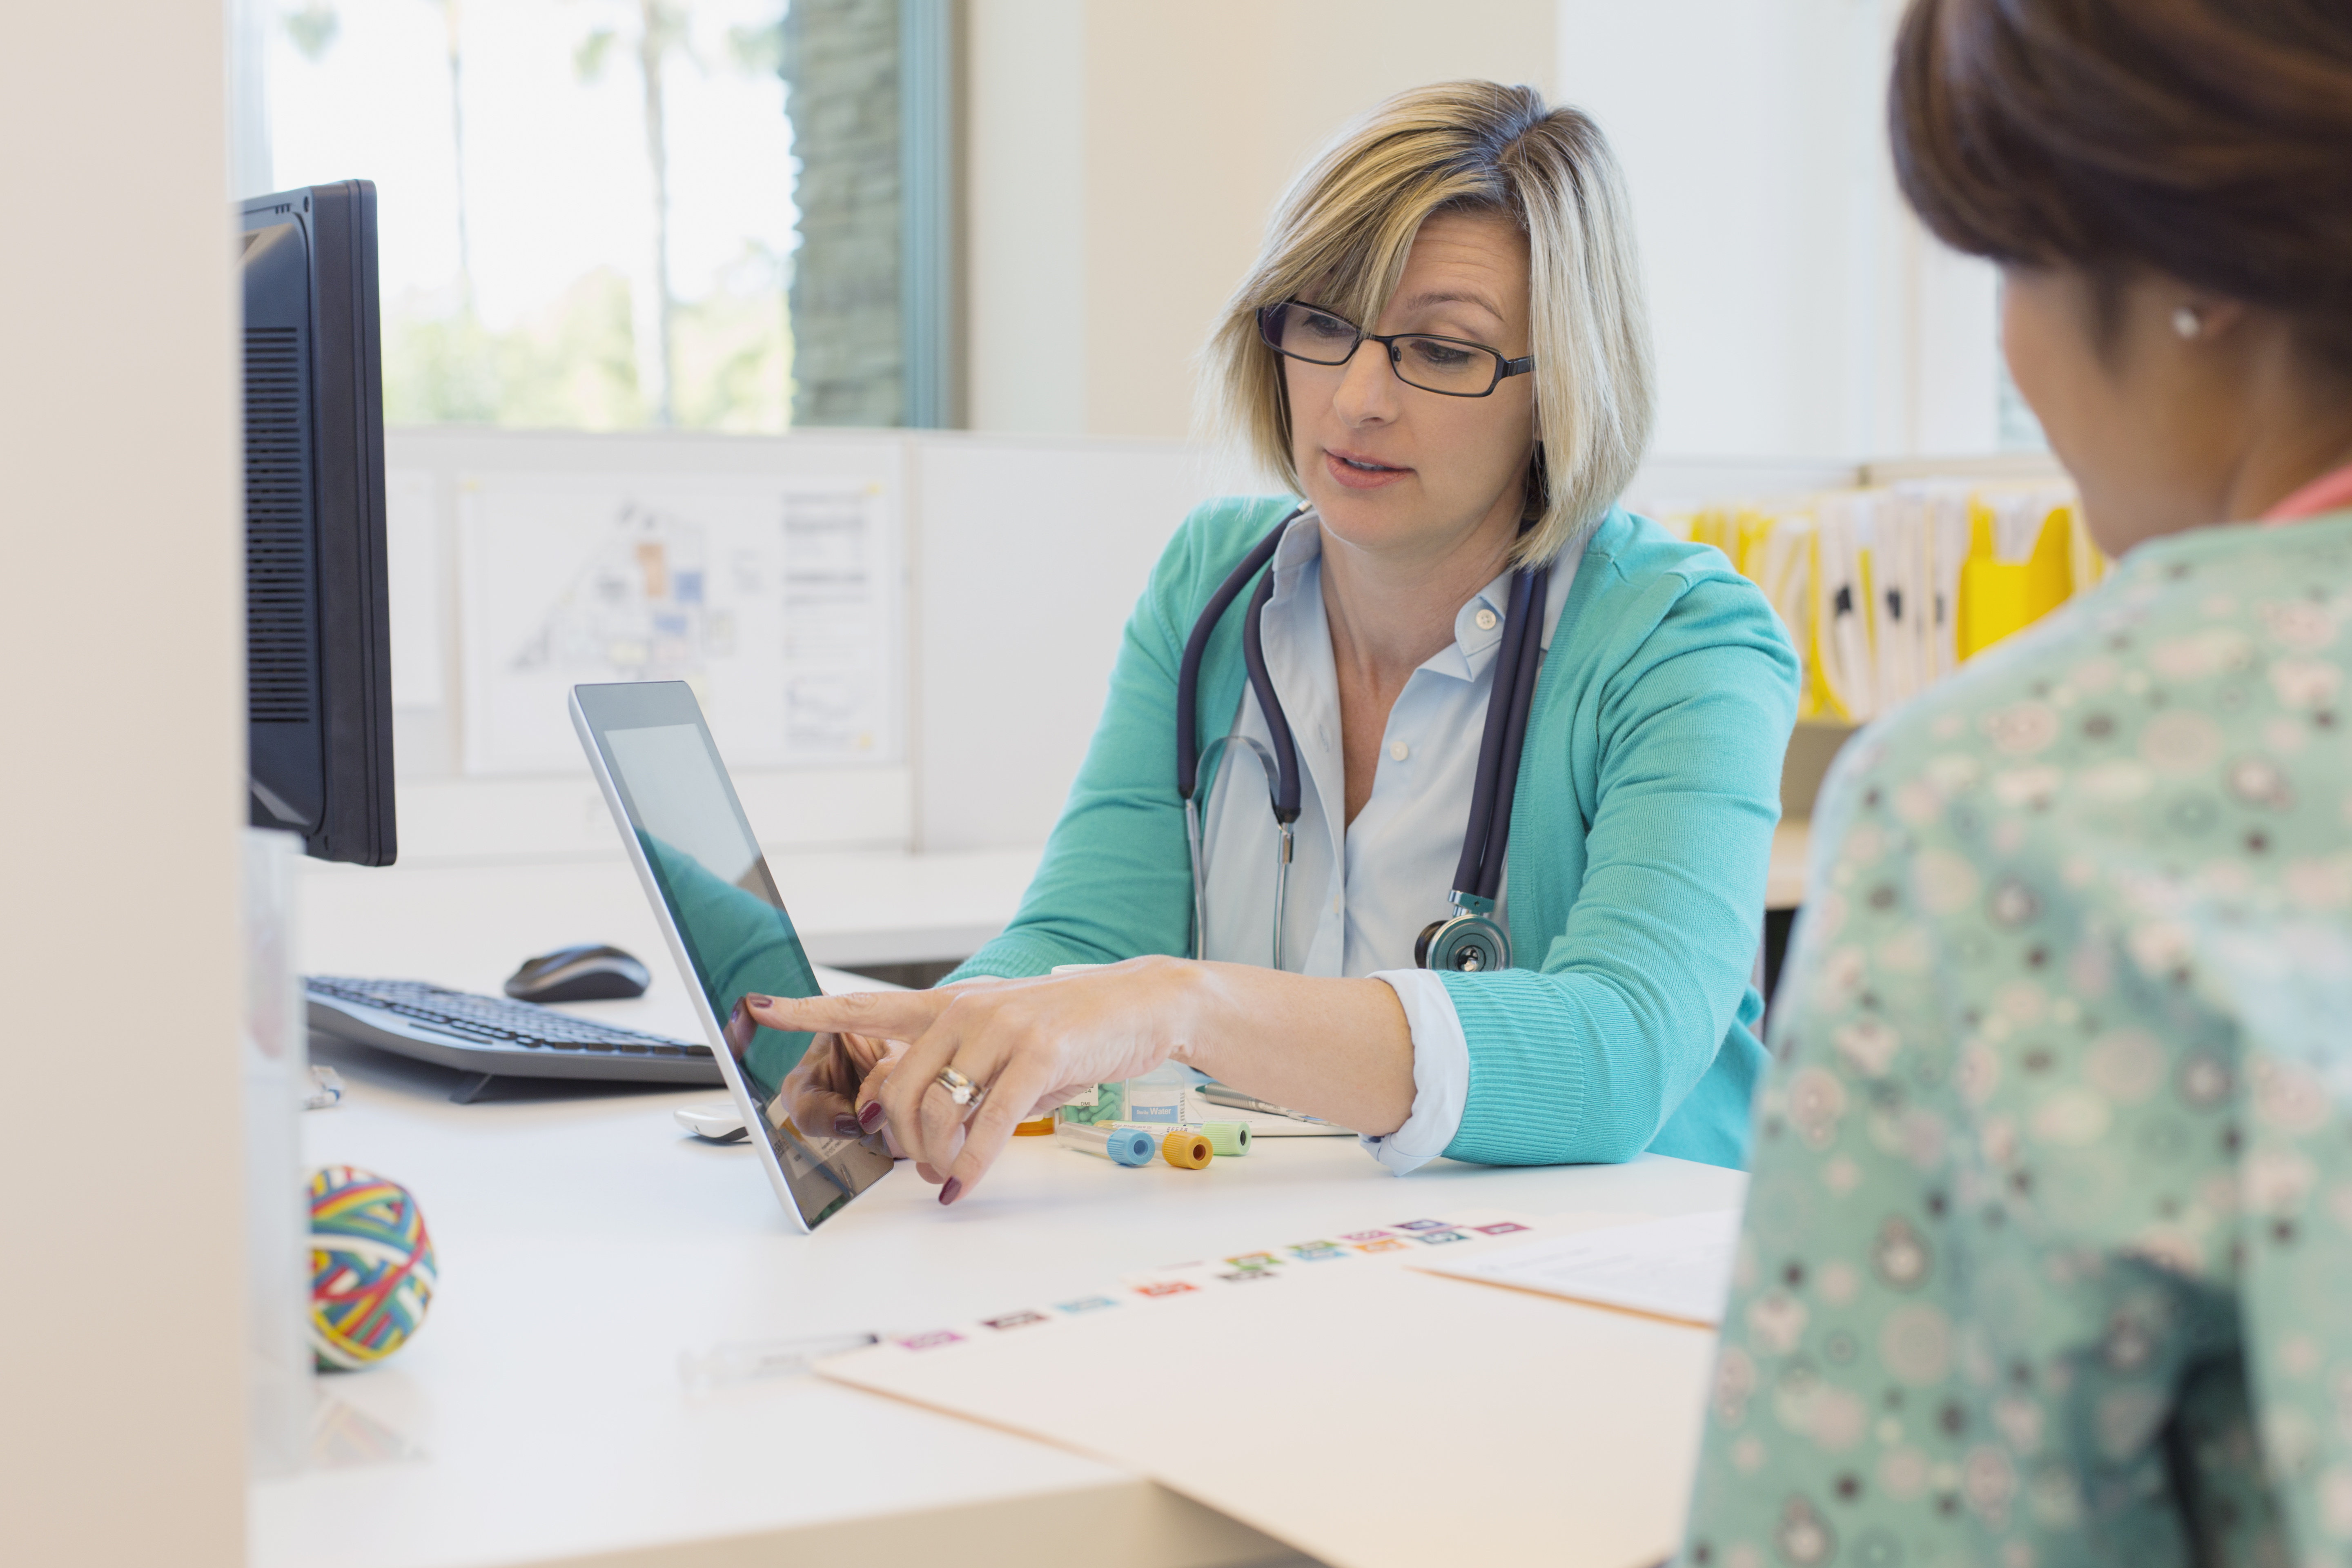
x=1471, y=941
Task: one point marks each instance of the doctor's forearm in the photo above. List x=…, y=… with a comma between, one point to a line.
x=1340, y=1049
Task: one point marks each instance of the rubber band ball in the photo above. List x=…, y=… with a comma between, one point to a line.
x=372, y=1270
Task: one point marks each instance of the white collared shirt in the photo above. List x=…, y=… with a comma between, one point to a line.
x=1360, y=893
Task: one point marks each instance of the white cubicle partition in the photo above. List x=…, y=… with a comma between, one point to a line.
x=461, y=799
x=1014, y=561
x=1029, y=555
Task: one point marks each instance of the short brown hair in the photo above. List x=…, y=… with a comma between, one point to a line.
x=2208, y=140
x=1341, y=235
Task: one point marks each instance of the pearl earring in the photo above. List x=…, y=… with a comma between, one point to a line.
x=2188, y=321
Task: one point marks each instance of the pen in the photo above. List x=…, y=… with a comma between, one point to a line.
x=1218, y=1094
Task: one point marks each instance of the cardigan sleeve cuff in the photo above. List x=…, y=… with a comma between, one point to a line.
x=1441, y=1073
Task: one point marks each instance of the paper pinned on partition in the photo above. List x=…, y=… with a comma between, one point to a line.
x=775, y=598
x=1678, y=1268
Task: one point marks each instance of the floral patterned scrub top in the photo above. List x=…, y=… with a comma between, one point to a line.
x=2048, y=1255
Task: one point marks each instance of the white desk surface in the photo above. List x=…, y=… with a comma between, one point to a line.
x=584, y=1243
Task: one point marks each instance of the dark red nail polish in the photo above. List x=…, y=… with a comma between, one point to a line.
x=758, y=1001
x=871, y=1117
x=846, y=1126
x=953, y=1191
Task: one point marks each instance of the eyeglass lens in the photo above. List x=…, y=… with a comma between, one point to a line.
x=1433, y=364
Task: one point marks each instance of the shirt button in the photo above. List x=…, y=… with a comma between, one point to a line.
x=1400, y=750
x=1486, y=619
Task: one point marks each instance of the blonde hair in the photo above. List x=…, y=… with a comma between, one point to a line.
x=1340, y=238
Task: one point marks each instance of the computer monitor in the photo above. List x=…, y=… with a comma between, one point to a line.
x=316, y=615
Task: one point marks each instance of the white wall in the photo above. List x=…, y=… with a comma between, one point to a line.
x=1025, y=237
x=121, y=1325
x=1799, y=309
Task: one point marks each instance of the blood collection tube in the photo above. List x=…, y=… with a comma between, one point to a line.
x=1119, y=1145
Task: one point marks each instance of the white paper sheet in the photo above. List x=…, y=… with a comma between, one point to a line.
x=1366, y=1414
x=1678, y=1268
x=775, y=598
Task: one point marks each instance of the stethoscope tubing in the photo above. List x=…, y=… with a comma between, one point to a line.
x=1196, y=647
x=1515, y=735
x=1469, y=873
x=1287, y=803
x=1486, y=841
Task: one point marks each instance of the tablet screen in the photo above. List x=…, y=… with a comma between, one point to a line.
x=737, y=936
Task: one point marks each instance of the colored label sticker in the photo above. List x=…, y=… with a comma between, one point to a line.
x=1363, y=1235
x=1164, y=1287
x=1086, y=1304
x=1386, y=1243
x=931, y=1340
x=1253, y=1260
x=1155, y=1113
x=1505, y=1228
x=1014, y=1320
x=1426, y=1225
x=1248, y=1275
x=1439, y=1238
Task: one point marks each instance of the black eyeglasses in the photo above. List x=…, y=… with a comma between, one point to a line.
x=1454, y=367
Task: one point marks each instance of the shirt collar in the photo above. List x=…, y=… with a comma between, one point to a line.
x=1473, y=645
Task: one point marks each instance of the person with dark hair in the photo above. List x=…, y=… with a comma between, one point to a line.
x=2049, y=1248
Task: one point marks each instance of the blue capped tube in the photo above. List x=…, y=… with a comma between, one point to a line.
x=1119, y=1145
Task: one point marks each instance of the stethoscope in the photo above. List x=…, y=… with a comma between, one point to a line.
x=1471, y=938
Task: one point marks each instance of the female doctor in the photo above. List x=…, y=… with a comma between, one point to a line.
x=1474, y=862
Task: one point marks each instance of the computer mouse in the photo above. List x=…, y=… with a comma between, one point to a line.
x=720, y=1123
x=585, y=973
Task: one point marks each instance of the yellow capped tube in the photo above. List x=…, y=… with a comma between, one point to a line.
x=1185, y=1151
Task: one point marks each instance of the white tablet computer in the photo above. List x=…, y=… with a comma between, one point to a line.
x=695, y=853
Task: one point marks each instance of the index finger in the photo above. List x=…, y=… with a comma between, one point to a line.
x=894, y=1014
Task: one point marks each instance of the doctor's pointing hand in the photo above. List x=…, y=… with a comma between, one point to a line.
x=1435, y=798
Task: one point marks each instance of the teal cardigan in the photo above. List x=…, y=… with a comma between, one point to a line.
x=1641, y=836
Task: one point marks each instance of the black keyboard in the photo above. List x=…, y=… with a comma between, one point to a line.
x=491, y=1038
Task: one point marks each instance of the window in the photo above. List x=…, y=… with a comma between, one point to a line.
x=591, y=212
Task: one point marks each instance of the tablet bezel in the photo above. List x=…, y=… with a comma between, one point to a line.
x=650, y=704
